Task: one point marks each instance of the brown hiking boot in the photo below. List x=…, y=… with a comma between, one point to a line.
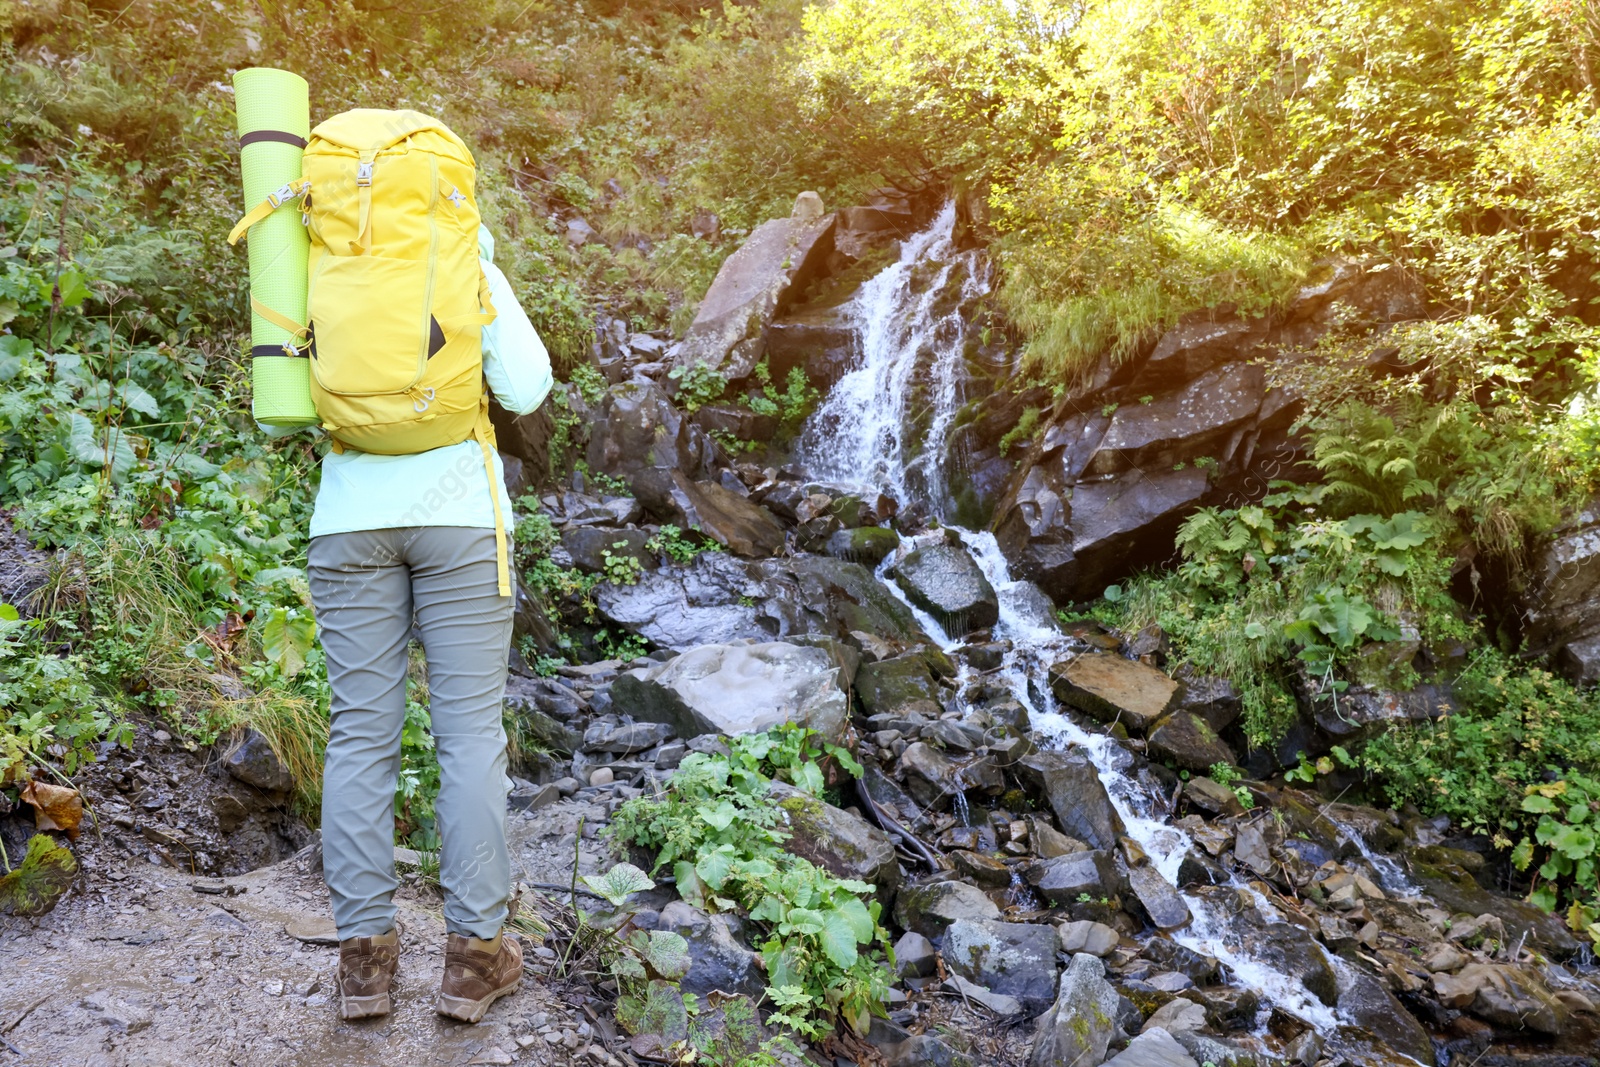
x=366, y=971
x=477, y=973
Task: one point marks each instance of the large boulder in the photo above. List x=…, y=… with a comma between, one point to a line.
x=944, y=581
x=1503, y=994
x=1163, y=903
x=897, y=684
x=728, y=334
x=1114, y=689
x=1186, y=740
x=744, y=528
x=1064, y=879
x=638, y=427
x=1154, y=1047
x=1012, y=959
x=719, y=960
x=929, y=909
x=1453, y=888
x=1127, y=521
x=1364, y=1001
x=737, y=689
x=717, y=597
x=843, y=843
x=1081, y=1024
x=1196, y=419
x=1560, y=609
x=1070, y=782
x=822, y=341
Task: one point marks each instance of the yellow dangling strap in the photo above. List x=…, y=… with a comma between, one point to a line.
x=274, y=200
x=281, y=321
x=481, y=431
x=363, y=242
x=477, y=318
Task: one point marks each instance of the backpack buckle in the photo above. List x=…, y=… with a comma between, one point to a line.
x=282, y=195
x=363, y=174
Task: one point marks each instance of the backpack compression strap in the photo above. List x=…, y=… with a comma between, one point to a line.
x=285, y=193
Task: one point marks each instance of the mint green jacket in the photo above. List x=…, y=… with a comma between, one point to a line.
x=445, y=486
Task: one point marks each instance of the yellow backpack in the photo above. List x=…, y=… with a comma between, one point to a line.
x=396, y=297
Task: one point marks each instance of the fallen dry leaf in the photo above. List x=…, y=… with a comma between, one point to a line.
x=38, y=881
x=56, y=807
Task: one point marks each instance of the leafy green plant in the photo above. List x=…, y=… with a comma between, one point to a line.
x=670, y=541
x=793, y=753
x=620, y=567
x=698, y=385
x=1568, y=831
x=722, y=838
x=1024, y=430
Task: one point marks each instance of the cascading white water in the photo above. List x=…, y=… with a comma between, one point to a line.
x=865, y=434
x=884, y=423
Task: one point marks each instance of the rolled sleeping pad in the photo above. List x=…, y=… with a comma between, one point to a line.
x=274, y=121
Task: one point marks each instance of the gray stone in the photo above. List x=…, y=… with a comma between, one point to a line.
x=838, y=841
x=1222, y=1053
x=1161, y=901
x=737, y=689
x=930, y=908
x=924, y=1050
x=1012, y=959
x=1119, y=522
x=1176, y=1014
x=1186, y=740
x=1503, y=994
x=1199, y=418
x=1081, y=1024
x=1213, y=699
x=544, y=732
x=1066, y=878
x=727, y=334
x=726, y=517
x=625, y=740
x=1365, y=1001
x=637, y=427
x=1154, y=1047
x=252, y=760
x=719, y=960
x=915, y=955
x=1000, y=1003
x=820, y=340
x=943, y=580
x=1113, y=689
x=897, y=684
x=934, y=779
x=1209, y=796
x=1071, y=784
x=1097, y=939
x=551, y=696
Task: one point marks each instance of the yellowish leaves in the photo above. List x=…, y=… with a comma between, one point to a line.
x=56, y=807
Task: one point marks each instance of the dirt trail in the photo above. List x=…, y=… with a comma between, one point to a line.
x=136, y=967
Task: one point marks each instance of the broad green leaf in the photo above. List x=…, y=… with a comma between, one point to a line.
x=286, y=638
x=668, y=954
x=690, y=888
x=1538, y=804
x=804, y=921
x=855, y=913
x=720, y=817
x=1522, y=855
x=838, y=939
x=1574, y=842
x=1544, y=897
x=1578, y=813
x=1255, y=631
x=714, y=866
x=619, y=883
x=808, y=778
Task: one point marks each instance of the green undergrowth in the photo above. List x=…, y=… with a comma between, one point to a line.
x=714, y=828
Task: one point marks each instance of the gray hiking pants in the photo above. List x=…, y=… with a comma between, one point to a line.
x=367, y=588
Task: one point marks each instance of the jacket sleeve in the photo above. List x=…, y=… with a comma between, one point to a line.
x=515, y=362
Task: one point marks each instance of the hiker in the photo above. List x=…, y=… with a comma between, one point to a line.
x=409, y=532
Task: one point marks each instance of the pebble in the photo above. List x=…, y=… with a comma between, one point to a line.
x=273, y=989
x=526, y=1040
x=552, y=1038
x=316, y=1000
x=601, y=776
x=494, y=1054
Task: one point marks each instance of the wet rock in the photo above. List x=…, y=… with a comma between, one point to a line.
x=820, y=340
x=1188, y=741
x=1281, y=945
x=719, y=960
x=744, y=528
x=625, y=740
x=736, y=689
x=1362, y=710
x=1097, y=939
x=1071, y=784
x=1204, y=1049
x=896, y=685
x=637, y=427
x=1066, y=878
x=588, y=546
x=869, y=545
x=547, y=695
x=1175, y=957
x=1508, y=996
x=1035, y=534
x=1364, y=1001
x=252, y=760
x=1160, y=900
x=1154, y=1047
x=1081, y=1024
x=1561, y=607
x=1213, y=699
x=984, y=870
x=1048, y=842
x=1113, y=689
x=545, y=733
x=1012, y=959
x=930, y=908
x=943, y=580
x=1228, y=1007
x=838, y=841
x=933, y=778
x=736, y=422
x=728, y=332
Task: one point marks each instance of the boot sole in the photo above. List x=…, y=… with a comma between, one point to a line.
x=471, y=1011
x=365, y=1007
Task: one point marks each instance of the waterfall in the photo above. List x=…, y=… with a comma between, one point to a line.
x=882, y=427
x=884, y=423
